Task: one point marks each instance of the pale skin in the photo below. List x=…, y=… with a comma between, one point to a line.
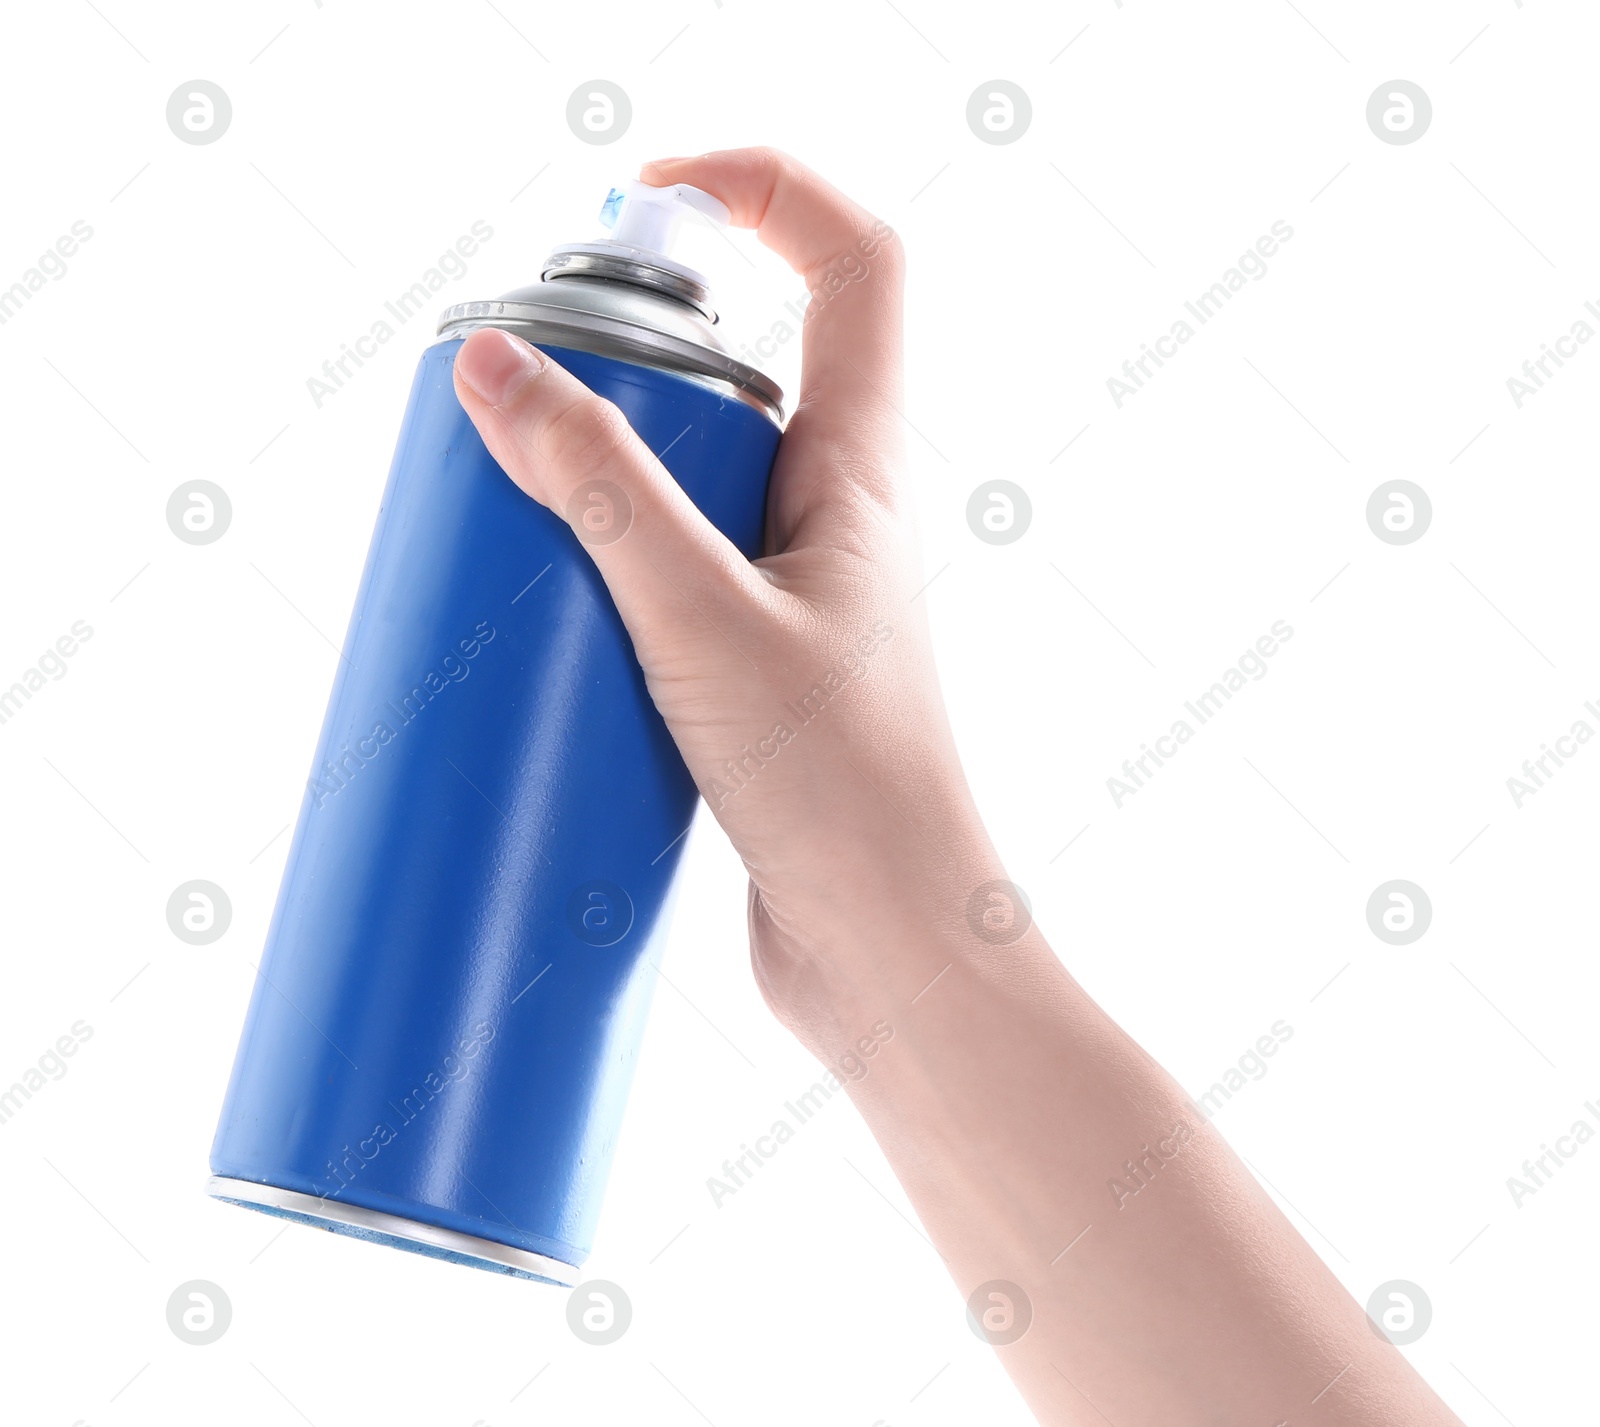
x=1005, y=1099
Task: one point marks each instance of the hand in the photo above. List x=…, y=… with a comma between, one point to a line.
x=828, y=614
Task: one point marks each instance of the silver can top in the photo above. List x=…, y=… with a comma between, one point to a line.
x=624, y=297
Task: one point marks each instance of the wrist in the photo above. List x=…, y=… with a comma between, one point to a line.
x=862, y=945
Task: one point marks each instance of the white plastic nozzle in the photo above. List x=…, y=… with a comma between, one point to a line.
x=642, y=216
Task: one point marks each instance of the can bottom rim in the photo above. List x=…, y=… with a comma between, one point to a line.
x=390, y=1229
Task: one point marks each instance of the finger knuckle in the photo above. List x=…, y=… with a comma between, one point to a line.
x=586, y=433
x=767, y=157
x=891, y=250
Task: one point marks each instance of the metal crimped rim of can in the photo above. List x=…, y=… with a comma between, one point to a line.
x=574, y=327
x=338, y=1216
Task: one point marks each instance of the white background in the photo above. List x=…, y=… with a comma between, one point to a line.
x=1225, y=896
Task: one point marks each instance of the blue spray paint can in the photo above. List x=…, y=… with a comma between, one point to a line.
x=441, y=1038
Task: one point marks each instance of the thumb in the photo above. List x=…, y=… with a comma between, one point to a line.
x=575, y=453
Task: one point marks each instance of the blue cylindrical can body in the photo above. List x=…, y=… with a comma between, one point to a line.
x=454, y=986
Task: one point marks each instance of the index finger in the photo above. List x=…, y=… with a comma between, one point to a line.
x=851, y=262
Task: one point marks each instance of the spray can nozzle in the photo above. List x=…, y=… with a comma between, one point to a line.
x=644, y=222
x=640, y=215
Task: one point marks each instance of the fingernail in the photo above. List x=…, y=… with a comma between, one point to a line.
x=497, y=365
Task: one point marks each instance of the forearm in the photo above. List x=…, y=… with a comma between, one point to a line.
x=1042, y=1147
